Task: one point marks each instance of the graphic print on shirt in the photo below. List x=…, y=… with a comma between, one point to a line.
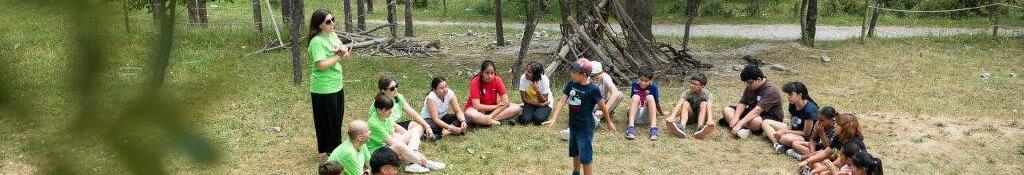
x=575, y=101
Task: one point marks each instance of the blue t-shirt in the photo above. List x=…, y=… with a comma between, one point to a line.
x=642, y=92
x=582, y=100
x=808, y=114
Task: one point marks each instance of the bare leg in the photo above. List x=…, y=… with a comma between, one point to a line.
x=730, y=116
x=801, y=147
x=576, y=165
x=684, y=113
x=652, y=111
x=702, y=114
x=755, y=123
x=633, y=105
x=511, y=111
x=587, y=169
x=480, y=118
x=790, y=140
x=771, y=127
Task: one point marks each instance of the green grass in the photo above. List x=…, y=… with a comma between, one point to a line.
x=911, y=84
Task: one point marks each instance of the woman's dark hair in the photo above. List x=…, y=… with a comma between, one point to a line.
x=700, y=77
x=381, y=157
x=751, y=72
x=329, y=168
x=483, y=67
x=646, y=73
x=536, y=70
x=798, y=87
x=864, y=160
x=436, y=82
x=383, y=82
x=850, y=149
x=382, y=102
x=828, y=112
x=319, y=16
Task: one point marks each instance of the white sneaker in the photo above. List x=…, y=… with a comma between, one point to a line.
x=793, y=154
x=564, y=134
x=434, y=165
x=416, y=168
x=743, y=133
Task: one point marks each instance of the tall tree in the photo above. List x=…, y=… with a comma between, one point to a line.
x=391, y=19
x=811, y=21
x=257, y=17
x=369, y=6
x=640, y=11
x=531, y=24
x=691, y=12
x=348, y=15
x=499, y=33
x=361, y=15
x=296, y=16
x=408, y=18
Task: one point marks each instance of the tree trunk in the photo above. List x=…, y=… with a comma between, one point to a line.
x=348, y=15
x=691, y=11
x=408, y=18
x=640, y=12
x=127, y=26
x=812, y=18
x=874, y=19
x=391, y=18
x=286, y=12
x=369, y=6
x=802, y=15
x=257, y=17
x=361, y=15
x=294, y=30
x=156, y=5
x=499, y=33
x=531, y=25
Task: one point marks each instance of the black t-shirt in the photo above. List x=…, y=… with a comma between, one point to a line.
x=582, y=100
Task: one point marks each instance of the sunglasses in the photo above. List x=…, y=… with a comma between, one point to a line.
x=392, y=88
x=329, y=21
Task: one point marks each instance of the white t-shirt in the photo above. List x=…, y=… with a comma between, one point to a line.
x=606, y=85
x=442, y=105
x=544, y=87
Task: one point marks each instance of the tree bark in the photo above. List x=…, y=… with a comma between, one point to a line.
x=691, y=11
x=391, y=18
x=640, y=12
x=286, y=12
x=812, y=18
x=257, y=17
x=369, y=6
x=361, y=15
x=499, y=33
x=127, y=26
x=408, y=18
x=348, y=15
x=156, y=5
x=531, y=25
x=874, y=19
x=296, y=13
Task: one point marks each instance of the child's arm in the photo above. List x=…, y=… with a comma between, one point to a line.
x=750, y=116
x=558, y=110
x=607, y=117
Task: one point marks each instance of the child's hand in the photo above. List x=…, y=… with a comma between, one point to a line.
x=548, y=123
x=611, y=126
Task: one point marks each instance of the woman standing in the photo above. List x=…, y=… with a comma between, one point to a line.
x=325, y=85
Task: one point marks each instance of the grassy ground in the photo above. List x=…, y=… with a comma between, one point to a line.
x=923, y=106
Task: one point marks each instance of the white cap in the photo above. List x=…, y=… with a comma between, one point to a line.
x=596, y=68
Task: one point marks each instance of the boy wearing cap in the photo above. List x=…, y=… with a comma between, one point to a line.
x=582, y=96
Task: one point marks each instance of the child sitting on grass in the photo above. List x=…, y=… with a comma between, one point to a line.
x=644, y=105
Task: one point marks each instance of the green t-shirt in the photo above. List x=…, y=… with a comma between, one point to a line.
x=381, y=129
x=349, y=158
x=328, y=80
x=694, y=99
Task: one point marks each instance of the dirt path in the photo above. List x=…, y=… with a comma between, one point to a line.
x=768, y=32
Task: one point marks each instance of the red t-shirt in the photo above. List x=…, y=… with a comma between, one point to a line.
x=490, y=93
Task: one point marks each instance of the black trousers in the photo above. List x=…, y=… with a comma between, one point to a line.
x=328, y=112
